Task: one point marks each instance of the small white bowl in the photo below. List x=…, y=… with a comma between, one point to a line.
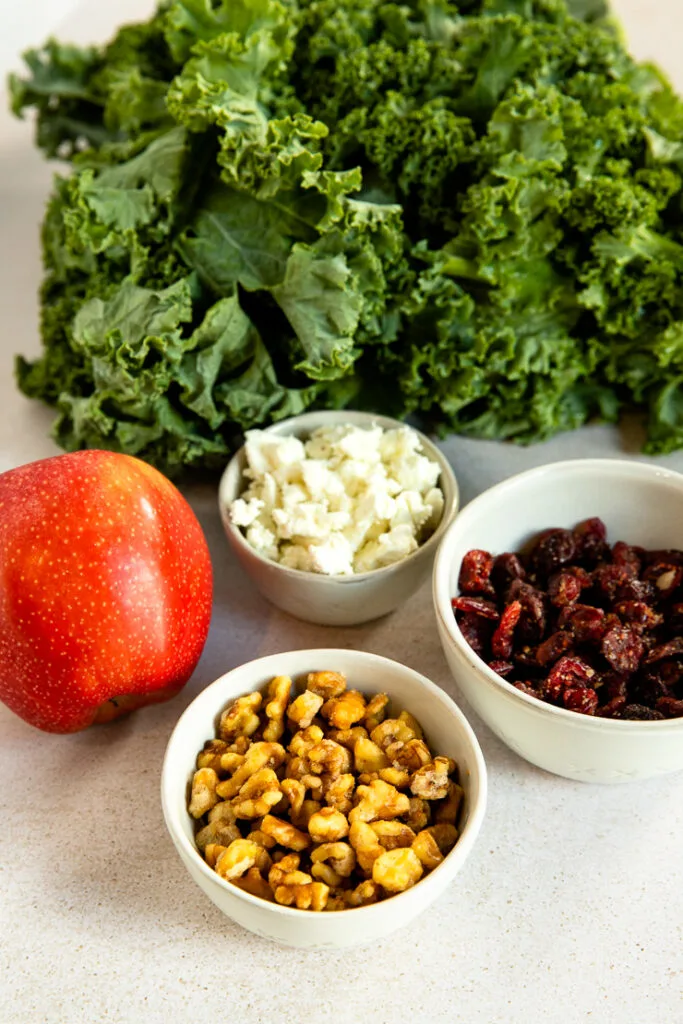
x=640, y=504
x=336, y=600
x=446, y=730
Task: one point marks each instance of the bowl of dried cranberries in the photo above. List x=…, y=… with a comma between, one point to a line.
x=559, y=603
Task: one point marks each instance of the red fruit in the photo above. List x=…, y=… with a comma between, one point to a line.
x=105, y=589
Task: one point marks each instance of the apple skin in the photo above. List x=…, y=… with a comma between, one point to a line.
x=105, y=589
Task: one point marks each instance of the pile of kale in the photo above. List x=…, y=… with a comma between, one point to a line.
x=469, y=212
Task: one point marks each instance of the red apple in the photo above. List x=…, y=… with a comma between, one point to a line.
x=105, y=589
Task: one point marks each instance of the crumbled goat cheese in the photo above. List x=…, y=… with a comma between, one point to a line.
x=347, y=500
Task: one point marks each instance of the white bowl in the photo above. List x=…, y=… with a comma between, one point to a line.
x=446, y=730
x=640, y=504
x=336, y=600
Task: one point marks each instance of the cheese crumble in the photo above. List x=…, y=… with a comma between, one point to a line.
x=347, y=500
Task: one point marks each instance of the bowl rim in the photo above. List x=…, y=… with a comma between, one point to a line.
x=466, y=838
x=447, y=475
x=443, y=561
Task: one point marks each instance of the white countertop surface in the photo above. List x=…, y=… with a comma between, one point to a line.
x=570, y=908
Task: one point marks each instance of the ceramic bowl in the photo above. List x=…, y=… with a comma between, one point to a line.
x=446, y=729
x=335, y=600
x=639, y=503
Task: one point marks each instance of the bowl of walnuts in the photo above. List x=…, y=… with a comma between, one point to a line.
x=323, y=798
x=559, y=603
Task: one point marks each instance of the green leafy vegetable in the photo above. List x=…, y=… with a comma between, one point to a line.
x=468, y=211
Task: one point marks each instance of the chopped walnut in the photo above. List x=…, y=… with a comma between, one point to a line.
x=419, y=814
x=326, y=684
x=339, y=856
x=343, y=712
x=379, y=800
x=366, y=845
x=330, y=757
x=348, y=737
x=284, y=833
x=239, y=857
x=212, y=852
x=427, y=849
x=397, y=870
x=220, y=832
x=328, y=825
x=278, y=695
x=259, y=794
x=305, y=739
x=261, y=839
x=392, y=730
x=447, y=812
x=210, y=756
x=446, y=836
x=363, y=895
x=431, y=781
x=230, y=762
x=339, y=792
x=253, y=882
x=260, y=755
x=203, y=798
x=240, y=719
x=375, y=711
x=303, y=895
x=368, y=757
x=304, y=709
x=393, y=834
x=411, y=755
x=295, y=791
x=398, y=777
x=412, y=723
x=290, y=862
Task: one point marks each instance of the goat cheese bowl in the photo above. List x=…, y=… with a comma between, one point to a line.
x=336, y=516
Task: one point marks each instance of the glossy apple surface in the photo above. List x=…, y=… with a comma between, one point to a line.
x=105, y=589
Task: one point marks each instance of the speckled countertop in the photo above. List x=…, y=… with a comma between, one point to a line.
x=570, y=909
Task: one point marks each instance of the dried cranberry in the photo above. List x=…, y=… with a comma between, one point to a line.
x=590, y=540
x=670, y=672
x=607, y=579
x=672, y=556
x=665, y=576
x=566, y=673
x=476, y=606
x=526, y=662
x=670, y=707
x=586, y=623
x=626, y=554
x=671, y=649
x=638, y=615
x=503, y=668
x=476, y=631
x=613, y=708
x=475, y=573
x=649, y=687
x=623, y=649
x=583, y=699
x=532, y=620
x=614, y=685
x=552, y=549
x=501, y=643
x=635, y=590
x=675, y=618
x=564, y=588
x=638, y=712
x=554, y=647
x=506, y=568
